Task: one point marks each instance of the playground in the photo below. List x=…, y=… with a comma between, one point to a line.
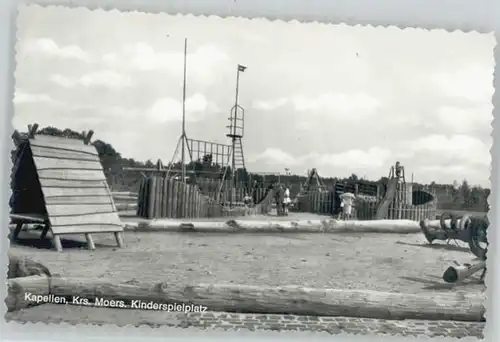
x=387, y=259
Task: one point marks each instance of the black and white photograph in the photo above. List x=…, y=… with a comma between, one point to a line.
x=254, y=175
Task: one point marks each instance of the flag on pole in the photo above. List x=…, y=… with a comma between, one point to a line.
x=241, y=67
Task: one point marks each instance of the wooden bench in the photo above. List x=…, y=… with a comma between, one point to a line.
x=21, y=219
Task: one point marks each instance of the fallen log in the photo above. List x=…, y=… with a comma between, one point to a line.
x=207, y=226
x=374, y=226
x=300, y=226
x=27, y=291
x=461, y=306
x=455, y=274
x=182, y=226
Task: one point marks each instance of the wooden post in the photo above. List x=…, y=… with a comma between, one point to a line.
x=164, y=198
x=119, y=239
x=87, y=137
x=158, y=195
x=45, y=230
x=90, y=242
x=168, y=198
x=32, y=130
x=16, y=137
x=151, y=197
x=174, y=198
x=16, y=232
x=56, y=241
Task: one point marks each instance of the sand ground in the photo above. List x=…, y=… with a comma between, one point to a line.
x=403, y=263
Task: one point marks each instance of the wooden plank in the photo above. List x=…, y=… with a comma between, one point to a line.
x=164, y=202
x=82, y=229
x=63, y=144
x=140, y=199
x=72, y=192
x=78, y=200
x=197, y=205
x=178, y=196
x=189, y=192
x=69, y=183
x=169, y=198
x=194, y=198
x=46, y=152
x=83, y=175
x=184, y=200
x=55, y=210
x=27, y=218
x=158, y=199
x=43, y=163
x=151, y=197
x=82, y=220
x=174, y=199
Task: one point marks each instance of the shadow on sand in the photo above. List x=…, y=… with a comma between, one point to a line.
x=440, y=285
x=448, y=247
x=33, y=239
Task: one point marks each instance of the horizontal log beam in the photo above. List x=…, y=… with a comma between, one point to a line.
x=276, y=226
x=461, y=306
x=25, y=292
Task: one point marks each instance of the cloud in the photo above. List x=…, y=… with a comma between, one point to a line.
x=354, y=159
x=336, y=102
x=21, y=97
x=337, y=105
x=105, y=78
x=374, y=157
x=142, y=56
x=474, y=83
x=275, y=156
x=460, y=148
x=465, y=119
x=168, y=109
x=270, y=104
x=48, y=47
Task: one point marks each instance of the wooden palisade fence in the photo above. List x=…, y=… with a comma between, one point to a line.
x=160, y=197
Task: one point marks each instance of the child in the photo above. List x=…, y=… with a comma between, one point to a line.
x=347, y=203
x=286, y=200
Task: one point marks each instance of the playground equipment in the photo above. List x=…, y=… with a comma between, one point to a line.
x=396, y=175
x=161, y=196
x=314, y=196
x=403, y=200
x=236, y=131
x=400, y=200
x=469, y=229
x=59, y=183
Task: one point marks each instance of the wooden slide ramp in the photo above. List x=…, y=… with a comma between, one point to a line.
x=60, y=182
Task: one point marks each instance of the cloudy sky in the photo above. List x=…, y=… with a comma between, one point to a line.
x=341, y=99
